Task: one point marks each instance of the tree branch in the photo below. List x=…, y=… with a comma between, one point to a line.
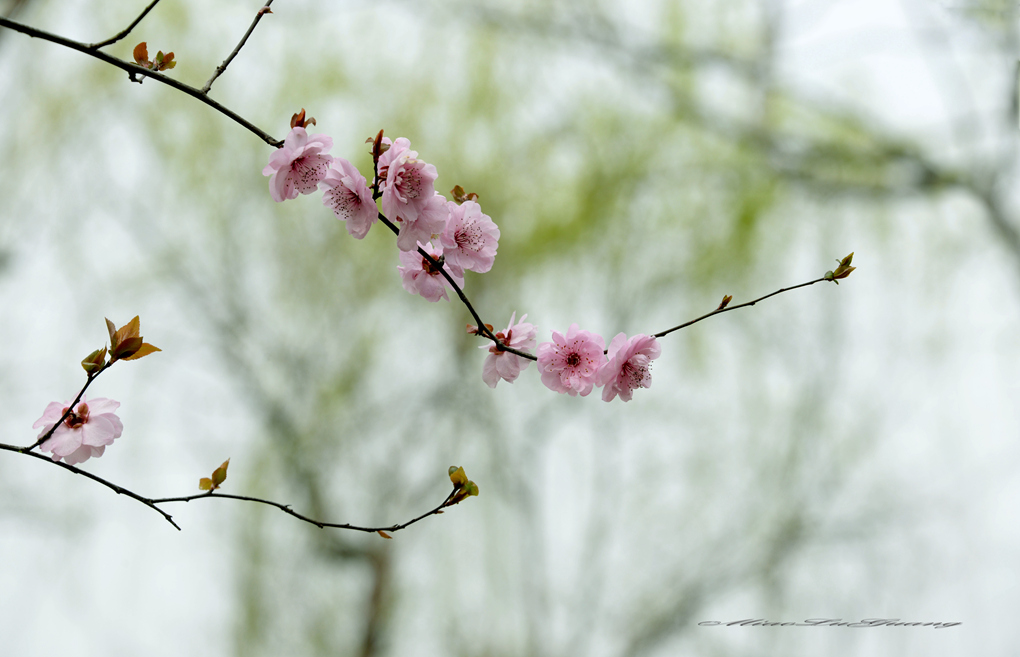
x=223, y=67
x=484, y=331
x=123, y=33
x=318, y=523
x=109, y=484
x=153, y=503
x=134, y=70
x=201, y=94
x=724, y=309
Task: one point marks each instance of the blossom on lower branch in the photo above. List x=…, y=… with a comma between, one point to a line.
x=407, y=184
x=470, y=238
x=627, y=367
x=504, y=365
x=426, y=225
x=349, y=197
x=299, y=166
x=571, y=362
x=86, y=432
x=419, y=276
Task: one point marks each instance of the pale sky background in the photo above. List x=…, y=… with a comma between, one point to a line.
x=931, y=335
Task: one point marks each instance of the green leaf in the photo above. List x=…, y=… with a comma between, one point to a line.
x=457, y=476
x=219, y=475
x=94, y=361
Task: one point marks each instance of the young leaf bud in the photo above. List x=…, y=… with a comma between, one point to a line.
x=457, y=476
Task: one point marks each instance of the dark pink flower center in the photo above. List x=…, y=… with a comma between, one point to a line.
x=503, y=340
x=77, y=418
x=344, y=201
x=408, y=183
x=431, y=269
x=573, y=359
x=308, y=171
x=636, y=374
x=467, y=239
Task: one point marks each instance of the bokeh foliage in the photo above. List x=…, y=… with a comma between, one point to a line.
x=640, y=163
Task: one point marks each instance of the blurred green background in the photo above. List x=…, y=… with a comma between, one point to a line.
x=838, y=452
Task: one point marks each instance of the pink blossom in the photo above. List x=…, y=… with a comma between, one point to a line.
x=407, y=182
x=349, y=197
x=299, y=166
x=429, y=223
x=503, y=364
x=628, y=366
x=85, y=433
x=571, y=363
x=470, y=238
x=419, y=276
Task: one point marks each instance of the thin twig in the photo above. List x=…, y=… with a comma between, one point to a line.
x=134, y=70
x=123, y=33
x=153, y=503
x=120, y=490
x=719, y=311
x=222, y=67
x=318, y=523
x=483, y=330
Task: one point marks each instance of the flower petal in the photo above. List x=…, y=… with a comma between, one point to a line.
x=64, y=441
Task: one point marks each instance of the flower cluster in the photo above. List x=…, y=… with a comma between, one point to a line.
x=440, y=239
x=573, y=364
x=420, y=276
x=577, y=362
x=457, y=235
